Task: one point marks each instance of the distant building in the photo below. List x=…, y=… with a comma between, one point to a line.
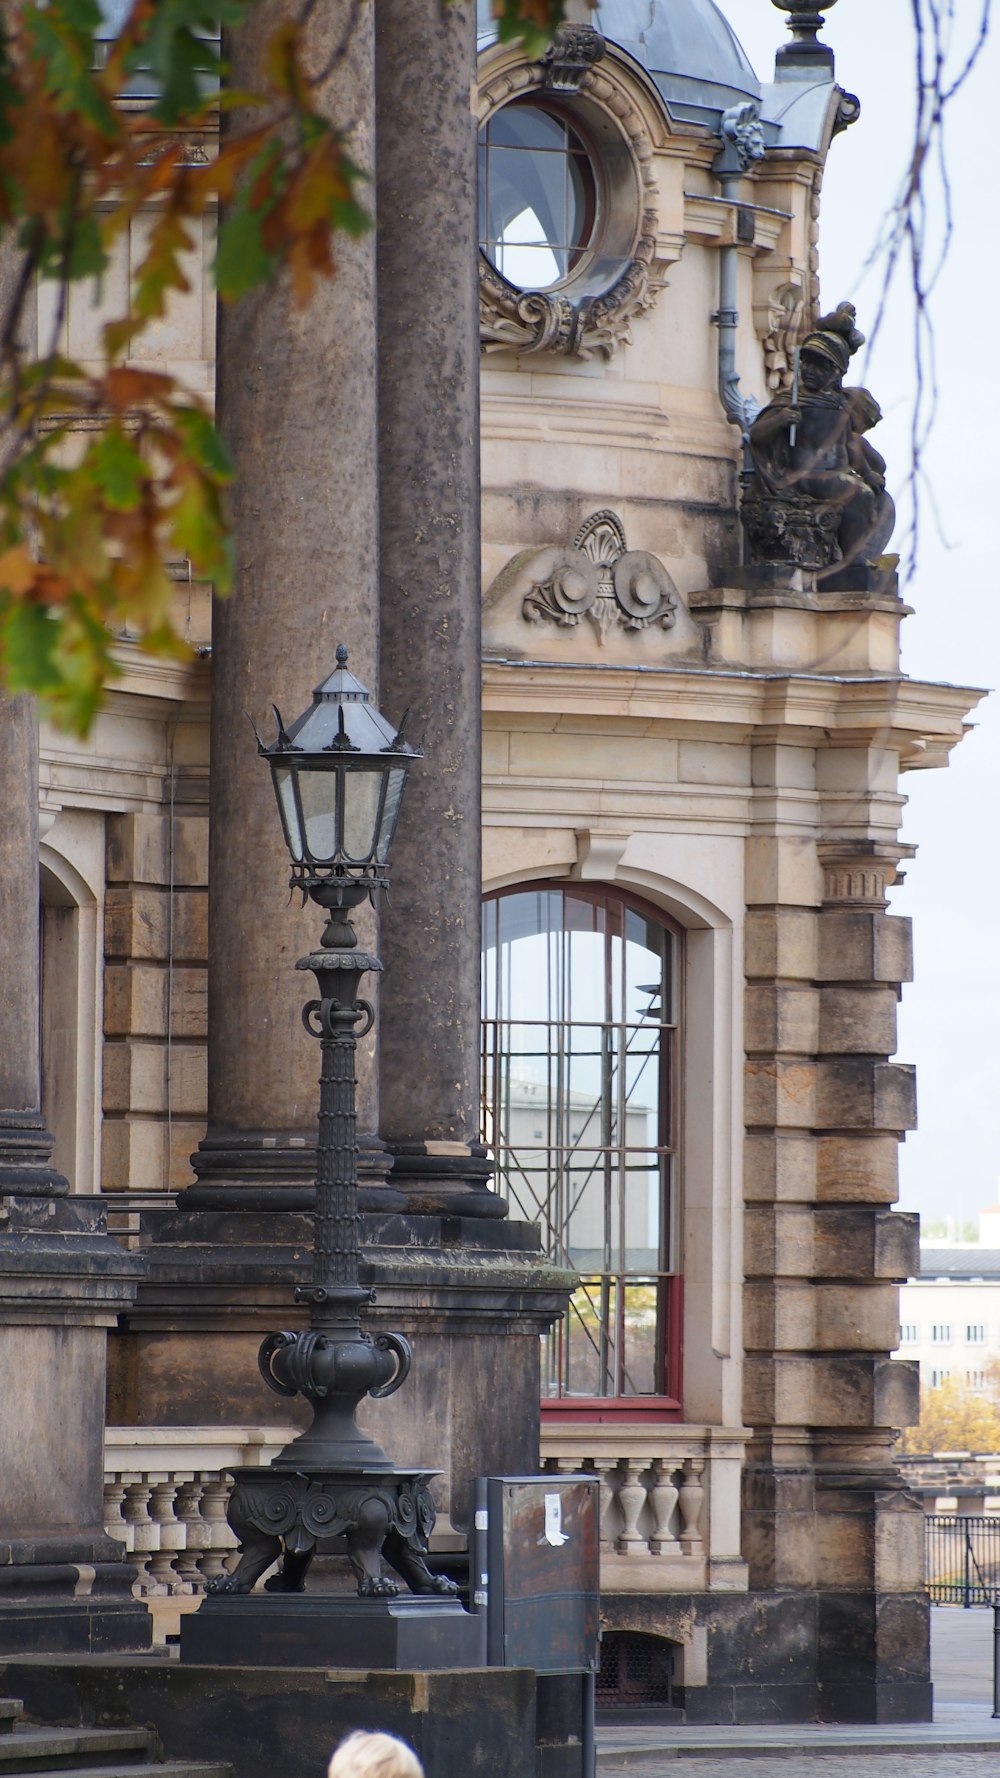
x=949, y=1315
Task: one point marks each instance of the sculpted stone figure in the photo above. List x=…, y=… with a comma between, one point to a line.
x=818, y=495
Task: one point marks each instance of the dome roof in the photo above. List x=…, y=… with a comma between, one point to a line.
x=692, y=52
x=689, y=50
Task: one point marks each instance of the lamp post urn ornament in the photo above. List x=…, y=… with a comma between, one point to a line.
x=339, y=771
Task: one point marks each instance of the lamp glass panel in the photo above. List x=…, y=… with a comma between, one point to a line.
x=390, y=811
x=362, y=790
x=318, y=793
x=284, y=790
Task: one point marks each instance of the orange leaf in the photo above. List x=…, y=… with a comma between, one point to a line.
x=17, y=570
x=125, y=387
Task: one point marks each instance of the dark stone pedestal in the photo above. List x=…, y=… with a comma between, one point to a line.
x=73, y=1626
x=286, y=1720
x=299, y=1630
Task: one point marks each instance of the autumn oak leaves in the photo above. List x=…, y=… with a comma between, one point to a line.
x=110, y=469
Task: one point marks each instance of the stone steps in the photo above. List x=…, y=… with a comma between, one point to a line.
x=27, y=1749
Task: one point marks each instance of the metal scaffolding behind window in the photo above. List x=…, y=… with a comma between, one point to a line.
x=579, y=1093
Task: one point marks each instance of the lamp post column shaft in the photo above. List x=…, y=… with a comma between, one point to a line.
x=335, y=1253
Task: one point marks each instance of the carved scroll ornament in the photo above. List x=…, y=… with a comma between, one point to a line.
x=540, y=321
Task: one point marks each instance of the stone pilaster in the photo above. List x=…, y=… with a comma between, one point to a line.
x=431, y=600
x=63, y=1583
x=25, y=1143
x=825, y=1510
x=296, y=403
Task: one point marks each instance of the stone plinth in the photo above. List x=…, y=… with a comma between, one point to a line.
x=263, y=1720
x=288, y=1630
x=64, y=1584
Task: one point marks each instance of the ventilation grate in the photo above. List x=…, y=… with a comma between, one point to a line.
x=636, y=1671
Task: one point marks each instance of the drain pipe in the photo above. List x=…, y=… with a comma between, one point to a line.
x=742, y=145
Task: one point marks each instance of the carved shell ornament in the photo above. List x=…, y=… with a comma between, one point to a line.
x=601, y=579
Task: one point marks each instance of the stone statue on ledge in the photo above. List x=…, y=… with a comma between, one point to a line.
x=817, y=498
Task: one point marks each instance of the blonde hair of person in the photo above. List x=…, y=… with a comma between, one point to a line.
x=364, y=1755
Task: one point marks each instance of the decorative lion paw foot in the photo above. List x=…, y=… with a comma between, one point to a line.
x=438, y=1583
x=226, y=1583
x=279, y=1583
x=443, y=1585
x=377, y=1587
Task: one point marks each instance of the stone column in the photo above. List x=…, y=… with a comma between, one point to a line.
x=296, y=403
x=826, y=1515
x=431, y=601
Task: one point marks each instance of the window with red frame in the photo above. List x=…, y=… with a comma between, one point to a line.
x=580, y=1063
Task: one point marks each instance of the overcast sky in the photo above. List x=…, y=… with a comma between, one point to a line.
x=950, y=1017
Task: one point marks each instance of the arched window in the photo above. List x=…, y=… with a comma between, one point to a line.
x=580, y=1063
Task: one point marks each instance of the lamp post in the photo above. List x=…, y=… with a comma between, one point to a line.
x=339, y=771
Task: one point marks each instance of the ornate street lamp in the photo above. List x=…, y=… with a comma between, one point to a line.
x=339, y=770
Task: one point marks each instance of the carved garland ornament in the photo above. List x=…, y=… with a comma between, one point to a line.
x=582, y=324
x=601, y=579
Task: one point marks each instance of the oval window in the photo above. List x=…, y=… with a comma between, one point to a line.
x=538, y=196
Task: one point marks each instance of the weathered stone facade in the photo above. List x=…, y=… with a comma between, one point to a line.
x=725, y=742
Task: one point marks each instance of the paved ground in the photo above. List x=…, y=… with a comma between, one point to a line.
x=962, y=1742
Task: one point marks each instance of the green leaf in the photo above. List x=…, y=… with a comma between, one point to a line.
x=28, y=641
x=118, y=469
x=203, y=443
x=197, y=529
x=78, y=251
x=241, y=260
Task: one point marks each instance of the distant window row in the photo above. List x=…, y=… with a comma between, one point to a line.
x=971, y=1379
x=942, y=1333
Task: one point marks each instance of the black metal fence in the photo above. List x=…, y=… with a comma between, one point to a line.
x=963, y=1558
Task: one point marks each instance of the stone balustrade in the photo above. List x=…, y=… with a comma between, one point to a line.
x=669, y=1500
x=165, y=1495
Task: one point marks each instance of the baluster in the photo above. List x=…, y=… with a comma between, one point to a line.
x=171, y=1535
x=114, y=1518
x=145, y=1534
x=692, y=1494
x=214, y=1500
x=663, y=1501
x=197, y=1536
x=631, y=1500
x=608, y=1515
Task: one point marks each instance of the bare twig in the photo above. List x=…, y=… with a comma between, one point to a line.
x=917, y=231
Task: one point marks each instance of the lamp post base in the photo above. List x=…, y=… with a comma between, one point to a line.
x=386, y=1514
x=329, y=1630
